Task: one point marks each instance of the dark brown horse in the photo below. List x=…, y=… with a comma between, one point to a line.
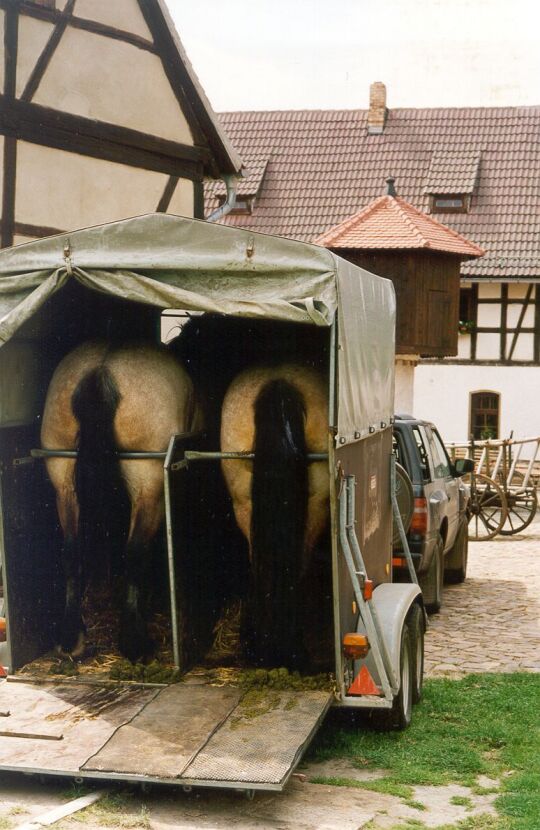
x=103, y=400
x=281, y=502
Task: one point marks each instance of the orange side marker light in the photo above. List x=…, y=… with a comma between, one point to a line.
x=355, y=646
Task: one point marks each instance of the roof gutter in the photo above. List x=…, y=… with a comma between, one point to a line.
x=231, y=183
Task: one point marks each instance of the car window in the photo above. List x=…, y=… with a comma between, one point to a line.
x=422, y=451
x=441, y=463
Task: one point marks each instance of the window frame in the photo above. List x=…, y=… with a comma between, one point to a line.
x=472, y=396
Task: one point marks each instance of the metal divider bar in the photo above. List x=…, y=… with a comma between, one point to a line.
x=399, y=521
x=167, y=465
x=356, y=571
x=192, y=455
x=73, y=454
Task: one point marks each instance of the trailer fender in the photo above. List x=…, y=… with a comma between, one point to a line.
x=391, y=603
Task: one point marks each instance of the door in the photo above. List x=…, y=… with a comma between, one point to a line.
x=447, y=484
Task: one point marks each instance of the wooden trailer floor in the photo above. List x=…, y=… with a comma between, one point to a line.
x=191, y=733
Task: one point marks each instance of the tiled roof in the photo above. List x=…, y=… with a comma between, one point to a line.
x=248, y=185
x=323, y=167
x=391, y=222
x=453, y=171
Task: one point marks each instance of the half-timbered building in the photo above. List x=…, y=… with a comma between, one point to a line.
x=101, y=117
x=474, y=170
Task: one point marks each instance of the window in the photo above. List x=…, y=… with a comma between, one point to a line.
x=485, y=410
x=424, y=461
x=449, y=203
x=440, y=458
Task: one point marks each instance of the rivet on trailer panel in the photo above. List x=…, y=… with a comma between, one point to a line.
x=371, y=430
x=357, y=434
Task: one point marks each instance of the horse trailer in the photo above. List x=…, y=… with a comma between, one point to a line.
x=243, y=295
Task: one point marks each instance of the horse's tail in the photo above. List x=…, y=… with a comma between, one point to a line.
x=101, y=491
x=279, y=511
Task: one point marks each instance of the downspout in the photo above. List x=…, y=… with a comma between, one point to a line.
x=231, y=183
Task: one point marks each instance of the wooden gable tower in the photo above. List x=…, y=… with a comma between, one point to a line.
x=101, y=117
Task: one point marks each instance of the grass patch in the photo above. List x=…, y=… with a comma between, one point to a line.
x=115, y=810
x=482, y=724
x=462, y=801
x=5, y=823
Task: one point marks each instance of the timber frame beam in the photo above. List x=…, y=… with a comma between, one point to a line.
x=52, y=128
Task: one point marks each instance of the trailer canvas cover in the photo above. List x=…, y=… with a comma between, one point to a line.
x=173, y=262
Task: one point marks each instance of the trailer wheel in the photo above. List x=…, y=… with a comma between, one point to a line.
x=399, y=716
x=416, y=624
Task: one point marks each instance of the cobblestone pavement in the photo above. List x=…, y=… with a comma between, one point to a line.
x=491, y=622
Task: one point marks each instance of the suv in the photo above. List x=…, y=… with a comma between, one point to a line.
x=438, y=532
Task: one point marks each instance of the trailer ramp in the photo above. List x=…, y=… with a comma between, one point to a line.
x=189, y=734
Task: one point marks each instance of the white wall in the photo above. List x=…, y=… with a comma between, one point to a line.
x=404, y=386
x=442, y=394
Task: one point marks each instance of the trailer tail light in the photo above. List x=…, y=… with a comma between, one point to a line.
x=419, y=518
x=367, y=590
x=355, y=646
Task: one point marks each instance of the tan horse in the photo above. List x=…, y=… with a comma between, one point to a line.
x=102, y=400
x=281, y=502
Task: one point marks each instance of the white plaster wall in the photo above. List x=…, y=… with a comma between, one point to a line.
x=33, y=36
x=442, y=393
x=404, y=387
x=66, y=191
x=122, y=14
x=112, y=81
x=183, y=200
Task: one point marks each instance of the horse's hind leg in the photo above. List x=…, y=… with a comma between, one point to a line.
x=147, y=515
x=71, y=639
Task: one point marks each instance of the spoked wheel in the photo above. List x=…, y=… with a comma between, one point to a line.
x=487, y=507
x=521, y=510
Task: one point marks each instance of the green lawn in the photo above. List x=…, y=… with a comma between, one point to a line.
x=482, y=724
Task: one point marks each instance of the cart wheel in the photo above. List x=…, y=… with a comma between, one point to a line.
x=487, y=507
x=416, y=624
x=521, y=510
x=431, y=582
x=399, y=716
x=455, y=568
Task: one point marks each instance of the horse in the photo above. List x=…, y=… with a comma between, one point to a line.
x=104, y=399
x=280, y=502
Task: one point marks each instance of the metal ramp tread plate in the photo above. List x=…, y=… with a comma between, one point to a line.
x=262, y=740
x=184, y=734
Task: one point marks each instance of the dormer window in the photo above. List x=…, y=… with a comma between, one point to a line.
x=248, y=189
x=242, y=206
x=451, y=180
x=449, y=203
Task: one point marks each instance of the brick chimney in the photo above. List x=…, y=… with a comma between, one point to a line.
x=377, y=108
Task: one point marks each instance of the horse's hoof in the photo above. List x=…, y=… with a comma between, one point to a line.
x=70, y=647
x=134, y=643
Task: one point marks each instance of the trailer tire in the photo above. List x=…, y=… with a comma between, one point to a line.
x=416, y=623
x=431, y=583
x=399, y=716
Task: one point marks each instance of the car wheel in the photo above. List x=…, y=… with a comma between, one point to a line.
x=431, y=583
x=455, y=569
x=416, y=623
